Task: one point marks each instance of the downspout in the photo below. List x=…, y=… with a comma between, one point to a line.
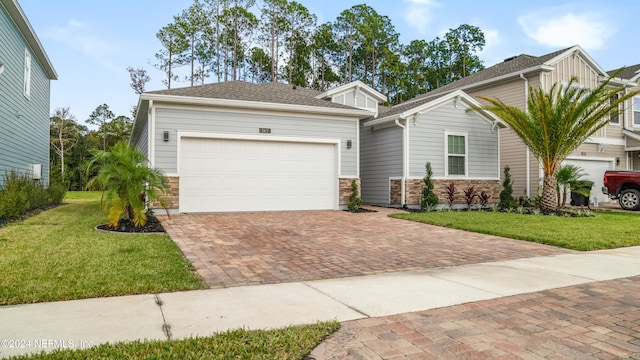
x=404, y=162
x=527, y=152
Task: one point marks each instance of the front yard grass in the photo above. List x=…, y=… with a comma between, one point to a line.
x=294, y=342
x=606, y=230
x=57, y=255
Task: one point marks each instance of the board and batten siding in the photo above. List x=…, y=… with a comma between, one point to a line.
x=24, y=122
x=249, y=123
x=427, y=142
x=380, y=159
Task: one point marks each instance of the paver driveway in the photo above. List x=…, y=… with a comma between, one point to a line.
x=232, y=249
x=598, y=320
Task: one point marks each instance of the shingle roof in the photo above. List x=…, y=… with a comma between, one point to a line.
x=509, y=66
x=408, y=105
x=627, y=72
x=272, y=92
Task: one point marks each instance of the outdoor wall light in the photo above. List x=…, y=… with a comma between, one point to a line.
x=165, y=136
x=617, y=161
x=1, y=68
x=349, y=144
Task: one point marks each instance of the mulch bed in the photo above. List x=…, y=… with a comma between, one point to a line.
x=361, y=210
x=153, y=225
x=27, y=215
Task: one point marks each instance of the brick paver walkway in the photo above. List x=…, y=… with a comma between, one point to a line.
x=231, y=249
x=598, y=320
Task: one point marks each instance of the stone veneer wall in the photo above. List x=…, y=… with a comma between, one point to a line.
x=345, y=190
x=174, y=192
x=414, y=190
x=395, y=191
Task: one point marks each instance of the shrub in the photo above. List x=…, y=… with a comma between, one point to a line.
x=470, y=195
x=451, y=194
x=354, y=199
x=484, y=199
x=429, y=198
x=20, y=194
x=506, y=195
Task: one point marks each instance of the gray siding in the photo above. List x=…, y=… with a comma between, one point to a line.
x=427, y=142
x=143, y=140
x=217, y=121
x=380, y=159
x=24, y=140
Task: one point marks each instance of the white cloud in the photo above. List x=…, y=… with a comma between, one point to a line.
x=75, y=34
x=418, y=14
x=550, y=27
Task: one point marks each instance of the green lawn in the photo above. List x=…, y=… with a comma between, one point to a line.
x=57, y=255
x=293, y=342
x=604, y=231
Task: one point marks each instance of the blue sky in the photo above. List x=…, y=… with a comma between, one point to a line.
x=91, y=43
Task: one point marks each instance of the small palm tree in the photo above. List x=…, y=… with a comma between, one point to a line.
x=127, y=183
x=567, y=174
x=557, y=122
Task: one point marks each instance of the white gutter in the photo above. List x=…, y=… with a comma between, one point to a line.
x=404, y=161
x=528, y=152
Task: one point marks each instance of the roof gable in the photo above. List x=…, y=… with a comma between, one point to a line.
x=406, y=110
x=22, y=23
x=359, y=85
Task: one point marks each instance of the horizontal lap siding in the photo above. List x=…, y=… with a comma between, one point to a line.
x=381, y=158
x=24, y=140
x=217, y=121
x=427, y=142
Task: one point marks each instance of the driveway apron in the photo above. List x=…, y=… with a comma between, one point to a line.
x=234, y=249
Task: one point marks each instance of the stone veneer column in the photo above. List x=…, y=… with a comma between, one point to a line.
x=173, y=197
x=345, y=190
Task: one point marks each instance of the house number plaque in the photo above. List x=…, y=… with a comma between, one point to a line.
x=265, y=131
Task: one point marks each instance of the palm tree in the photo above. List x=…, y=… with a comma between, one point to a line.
x=557, y=122
x=127, y=183
x=566, y=175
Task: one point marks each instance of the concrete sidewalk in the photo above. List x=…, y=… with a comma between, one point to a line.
x=83, y=323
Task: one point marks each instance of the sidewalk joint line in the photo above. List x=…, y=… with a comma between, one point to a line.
x=333, y=298
x=166, y=328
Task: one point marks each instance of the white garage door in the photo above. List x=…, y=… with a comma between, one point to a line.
x=594, y=171
x=219, y=175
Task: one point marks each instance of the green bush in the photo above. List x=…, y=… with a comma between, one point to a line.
x=429, y=198
x=354, y=199
x=507, y=200
x=20, y=194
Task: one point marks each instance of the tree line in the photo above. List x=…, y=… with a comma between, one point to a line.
x=280, y=40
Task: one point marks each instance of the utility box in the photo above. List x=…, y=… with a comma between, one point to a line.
x=36, y=173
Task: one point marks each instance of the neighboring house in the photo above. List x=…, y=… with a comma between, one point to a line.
x=237, y=146
x=510, y=82
x=25, y=75
x=461, y=145
x=630, y=78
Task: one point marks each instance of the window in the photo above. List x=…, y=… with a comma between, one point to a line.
x=615, y=116
x=456, y=154
x=636, y=110
x=27, y=74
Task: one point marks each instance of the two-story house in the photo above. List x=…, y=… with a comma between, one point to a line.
x=25, y=77
x=511, y=80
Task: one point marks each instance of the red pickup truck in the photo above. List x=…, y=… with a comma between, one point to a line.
x=624, y=186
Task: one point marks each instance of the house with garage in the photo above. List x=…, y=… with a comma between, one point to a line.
x=461, y=144
x=510, y=82
x=629, y=76
x=25, y=77
x=238, y=146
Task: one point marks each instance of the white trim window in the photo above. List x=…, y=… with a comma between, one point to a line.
x=636, y=111
x=456, y=150
x=615, y=116
x=27, y=74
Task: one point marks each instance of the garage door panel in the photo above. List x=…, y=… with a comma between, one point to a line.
x=245, y=175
